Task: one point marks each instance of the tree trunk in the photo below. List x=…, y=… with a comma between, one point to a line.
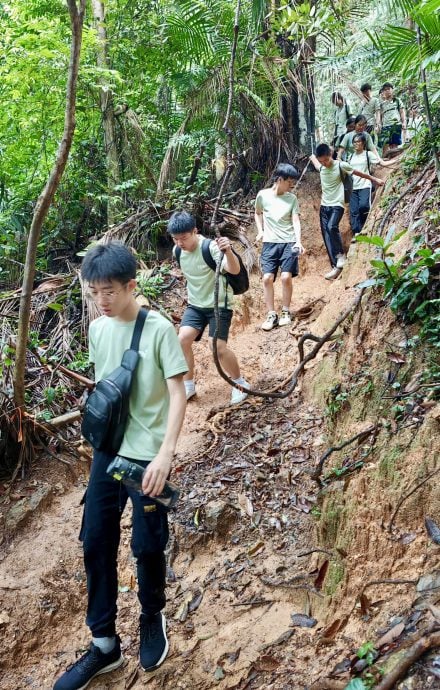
x=108, y=113
x=46, y=197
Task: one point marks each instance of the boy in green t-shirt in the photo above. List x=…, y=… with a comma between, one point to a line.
x=200, y=279
x=393, y=119
x=278, y=225
x=332, y=203
x=156, y=411
x=370, y=109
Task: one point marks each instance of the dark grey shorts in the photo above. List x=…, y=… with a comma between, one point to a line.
x=199, y=318
x=275, y=255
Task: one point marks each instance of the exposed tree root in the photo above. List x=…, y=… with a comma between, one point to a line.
x=361, y=436
x=424, y=644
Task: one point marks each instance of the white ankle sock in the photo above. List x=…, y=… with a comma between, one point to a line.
x=105, y=644
x=241, y=381
x=189, y=384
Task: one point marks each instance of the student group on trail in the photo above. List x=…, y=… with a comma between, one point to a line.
x=161, y=378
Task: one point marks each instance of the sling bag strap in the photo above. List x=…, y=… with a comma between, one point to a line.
x=140, y=320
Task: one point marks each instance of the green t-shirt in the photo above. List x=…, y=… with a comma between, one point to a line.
x=200, y=278
x=340, y=117
x=391, y=112
x=332, y=185
x=277, y=213
x=347, y=142
x=160, y=358
x=369, y=109
x=359, y=161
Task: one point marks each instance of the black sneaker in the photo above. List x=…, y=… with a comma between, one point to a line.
x=154, y=644
x=91, y=664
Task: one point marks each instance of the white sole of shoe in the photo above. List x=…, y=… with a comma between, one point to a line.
x=190, y=395
x=165, y=651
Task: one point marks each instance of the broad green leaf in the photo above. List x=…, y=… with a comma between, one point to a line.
x=375, y=240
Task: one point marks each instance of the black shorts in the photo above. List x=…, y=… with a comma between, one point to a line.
x=199, y=318
x=283, y=255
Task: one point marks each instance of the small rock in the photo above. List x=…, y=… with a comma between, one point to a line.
x=219, y=516
x=430, y=581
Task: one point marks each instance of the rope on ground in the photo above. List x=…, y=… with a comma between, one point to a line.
x=299, y=370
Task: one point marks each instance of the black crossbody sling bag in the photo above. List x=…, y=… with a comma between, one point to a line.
x=106, y=409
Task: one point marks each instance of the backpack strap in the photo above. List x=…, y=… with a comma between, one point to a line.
x=207, y=256
x=368, y=162
x=138, y=326
x=176, y=253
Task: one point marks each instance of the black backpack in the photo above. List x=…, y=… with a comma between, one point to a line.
x=106, y=409
x=239, y=282
x=347, y=181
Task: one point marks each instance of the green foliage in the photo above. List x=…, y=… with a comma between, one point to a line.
x=409, y=283
x=151, y=286
x=336, y=401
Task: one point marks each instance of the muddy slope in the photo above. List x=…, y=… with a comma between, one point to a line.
x=256, y=539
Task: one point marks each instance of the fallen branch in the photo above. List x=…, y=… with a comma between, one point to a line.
x=361, y=436
x=387, y=581
x=403, y=499
x=409, y=658
x=66, y=418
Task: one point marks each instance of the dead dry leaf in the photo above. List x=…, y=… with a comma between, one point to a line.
x=245, y=504
x=302, y=621
x=391, y=635
x=321, y=574
x=433, y=530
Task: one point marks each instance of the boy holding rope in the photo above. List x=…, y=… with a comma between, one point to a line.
x=199, y=313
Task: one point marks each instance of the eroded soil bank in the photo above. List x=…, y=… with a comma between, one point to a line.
x=256, y=539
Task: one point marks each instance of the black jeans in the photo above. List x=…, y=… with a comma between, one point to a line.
x=329, y=218
x=360, y=202
x=105, y=501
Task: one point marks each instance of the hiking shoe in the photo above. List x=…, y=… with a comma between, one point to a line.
x=91, y=664
x=334, y=273
x=190, y=390
x=340, y=261
x=285, y=318
x=153, y=646
x=271, y=321
x=238, y=396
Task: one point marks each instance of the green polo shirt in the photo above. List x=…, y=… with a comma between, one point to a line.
x=369, y=109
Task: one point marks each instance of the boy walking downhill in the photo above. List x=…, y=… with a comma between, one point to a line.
x=371, y=110
x=278, y=225
x=393, y=119
x=332, y=203
x=200, y=279
x=156, y=411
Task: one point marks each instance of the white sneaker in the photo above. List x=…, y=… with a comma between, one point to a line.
x=190, y=389
x=340, y=261
x=285, y=318
x=271, y=321
x=238, y=396
x=334, y=273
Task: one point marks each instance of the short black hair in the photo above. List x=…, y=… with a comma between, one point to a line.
x=360, y=118
x=106, y=262
x=323, y=150
x=285, y=171
x=387, y=85
x=180, y=222
x=360, y=137
x=350, y=120
x=337, y=96
x=365, y=87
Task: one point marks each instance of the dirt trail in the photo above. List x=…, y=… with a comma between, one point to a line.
x=236, y=575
